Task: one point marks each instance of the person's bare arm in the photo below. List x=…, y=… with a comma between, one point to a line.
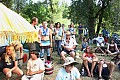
x=78, y=79
x=40, y=35
x=95, y=58
x=21, y=50
x=50, y=35
x=83, y=57
x=36, y=72
x=62, y=35
x=15, y=65
x=118, y=62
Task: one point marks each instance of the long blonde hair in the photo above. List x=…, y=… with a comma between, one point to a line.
x=13, y=55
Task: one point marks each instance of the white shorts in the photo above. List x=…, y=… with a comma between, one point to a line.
x=34, y=77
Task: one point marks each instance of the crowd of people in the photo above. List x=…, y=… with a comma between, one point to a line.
x=56, y=38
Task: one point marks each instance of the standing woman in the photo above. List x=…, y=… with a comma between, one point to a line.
x=45, y=40
x=72, y=30
x=59, y=35
x=10, y=63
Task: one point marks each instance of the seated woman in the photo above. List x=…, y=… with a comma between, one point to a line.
x=112, y=48
x=89, y=58
x=10, y=64
x=18, y=50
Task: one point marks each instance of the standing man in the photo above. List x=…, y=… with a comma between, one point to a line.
x=32, y=46
x=80, y=31
x=45, y=34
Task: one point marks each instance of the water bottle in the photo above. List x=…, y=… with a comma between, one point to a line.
x=82, y=71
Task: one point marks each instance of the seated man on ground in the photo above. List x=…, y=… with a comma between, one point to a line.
x=35, y=67
x=89, y=58
x=68, y=44
x=100, y=43
x=112, y=48
x=68, y=71
x=105, y=67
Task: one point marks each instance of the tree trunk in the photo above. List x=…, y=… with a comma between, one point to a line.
x=100, y=22
x=91, y=27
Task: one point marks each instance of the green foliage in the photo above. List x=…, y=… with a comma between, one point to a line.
x=56, y=8
x=38, y=10
x=91, y=13
x=7, y=3
x=19, y=5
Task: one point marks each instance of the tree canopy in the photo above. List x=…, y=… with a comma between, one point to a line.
x=95, y=14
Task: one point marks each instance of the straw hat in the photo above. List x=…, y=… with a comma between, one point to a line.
x=68, y=33
x=69, y=60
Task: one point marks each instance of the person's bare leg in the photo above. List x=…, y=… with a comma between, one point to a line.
x=101, y=50
x=100, y=66
x=86, y=66
x=93, y=66
x=72, y=54
x=18, y=71
x=63, y=55
x=111, y=68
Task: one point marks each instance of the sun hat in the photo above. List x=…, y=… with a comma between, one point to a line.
x=68, y=33
x=70, y=60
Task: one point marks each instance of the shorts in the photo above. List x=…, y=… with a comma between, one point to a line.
x=68, y=52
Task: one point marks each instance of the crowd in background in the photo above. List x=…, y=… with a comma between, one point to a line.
x=57, y=38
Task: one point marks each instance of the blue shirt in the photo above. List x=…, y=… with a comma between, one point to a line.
x=80, y=31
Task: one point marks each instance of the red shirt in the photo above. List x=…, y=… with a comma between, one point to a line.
x=89, y=55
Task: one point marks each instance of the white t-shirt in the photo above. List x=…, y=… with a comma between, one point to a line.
x=63, y=75
x=72, y=42
x=35, y=65
x=100, y=40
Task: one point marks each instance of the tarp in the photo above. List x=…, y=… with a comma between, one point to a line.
x=15, y=27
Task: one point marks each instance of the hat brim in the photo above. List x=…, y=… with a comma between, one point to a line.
x=68, y=34
x=74, y=63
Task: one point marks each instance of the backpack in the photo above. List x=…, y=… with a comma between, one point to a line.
x=2, y=50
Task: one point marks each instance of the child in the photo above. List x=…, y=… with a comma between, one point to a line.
x=84, y=44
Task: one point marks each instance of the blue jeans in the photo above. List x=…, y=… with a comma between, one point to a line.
x=47, y=50
x=58, y=45
x=119, y=65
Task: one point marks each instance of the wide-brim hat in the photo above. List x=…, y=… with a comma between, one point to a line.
x=68, y=33
x=70, y=60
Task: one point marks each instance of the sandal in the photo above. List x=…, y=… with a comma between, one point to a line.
x=99, y=78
